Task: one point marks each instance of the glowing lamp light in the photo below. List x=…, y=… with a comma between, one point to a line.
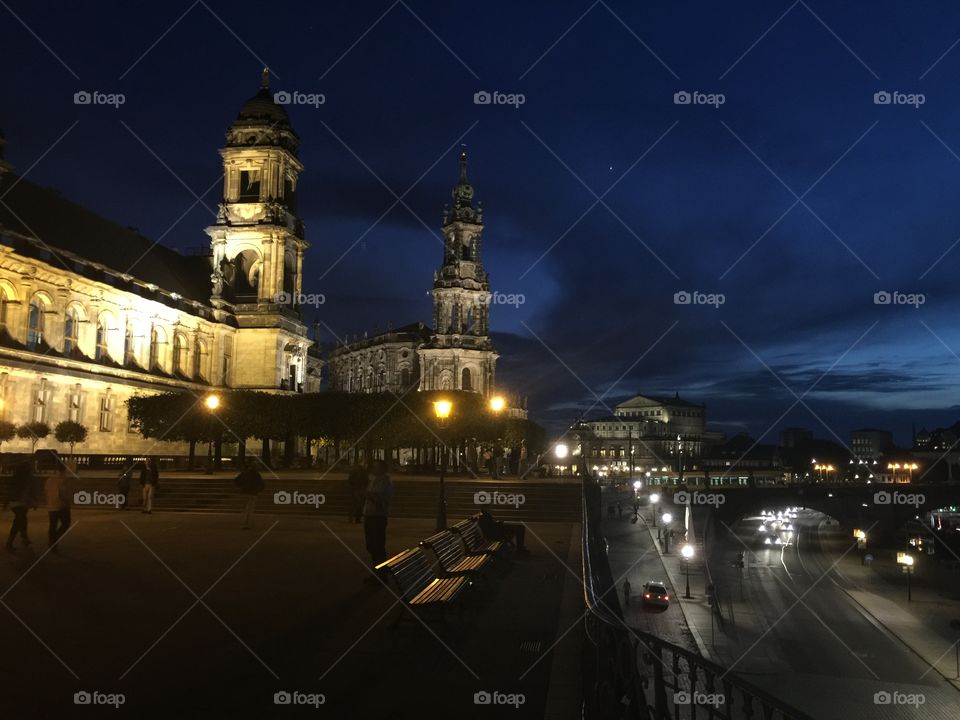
x=687, y=551
x=442, y=409
x=212, y=402
x=667, y=518
x=561, y=451
x=654, y=498
x=637, y=484
x=497, y=404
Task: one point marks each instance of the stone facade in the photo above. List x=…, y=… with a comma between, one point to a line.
x=92, y=313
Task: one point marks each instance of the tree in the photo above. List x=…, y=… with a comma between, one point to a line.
x=8, y=431
x=70, y=432
x=34, y=432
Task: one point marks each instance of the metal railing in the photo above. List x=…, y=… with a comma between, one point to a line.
x=629, y=673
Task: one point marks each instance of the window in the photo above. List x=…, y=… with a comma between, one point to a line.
x=128, y=355
x=106, y=413
x=103, y=350
x=226, y=369
x=466, y=380
x=179, y=354
x=154, y=349
x=35, y=325
x=38, y=412
x=71, y=331
x=74, y=398
x=198, y=353
x=249, y=186
x=4, y=308
x=404, y=377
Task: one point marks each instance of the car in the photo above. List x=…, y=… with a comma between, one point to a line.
x=655, y=593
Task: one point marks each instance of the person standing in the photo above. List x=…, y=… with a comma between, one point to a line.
x=250, y=482
x=22, y=497
x=376, y=509
x=149, y=482
x=358, y=480
x=59, y=491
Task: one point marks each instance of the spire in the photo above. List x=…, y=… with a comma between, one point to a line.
x=265, y=79
x=463, y=163
x=463, y=191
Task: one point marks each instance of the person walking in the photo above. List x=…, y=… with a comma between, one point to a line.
x=22, y=498
x=358, y=479
x=59, y=492
x=149, y=482
x=376, y=509
x=250, y=482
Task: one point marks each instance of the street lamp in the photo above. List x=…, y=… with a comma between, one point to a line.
x=687, y=553
x=211, y=402
x=906, y=560
x=667, y=518
x=654, y=499
x=442, y=409
x=497, y=404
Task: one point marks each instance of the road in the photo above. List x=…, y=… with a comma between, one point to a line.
x=798, y=634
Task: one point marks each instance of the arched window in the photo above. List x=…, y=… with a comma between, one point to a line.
x=179, y=354
x=198, y=353
x=71, y=331
x=128, y=355
x=404, y=377
x=382, y=380
x=466, y=380
x=154, y=362
x=35, y=325
x=103, y=333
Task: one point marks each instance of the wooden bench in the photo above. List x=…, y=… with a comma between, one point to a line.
x=473, y=540
x=452, y=556
x=418, y=584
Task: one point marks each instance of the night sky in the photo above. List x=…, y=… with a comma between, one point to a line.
x=798, y=198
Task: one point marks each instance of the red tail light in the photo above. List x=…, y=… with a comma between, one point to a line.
x=666, y=597
x=647, y=595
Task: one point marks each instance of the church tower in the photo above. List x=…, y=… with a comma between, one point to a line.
x=460, y=355
x=258, y=245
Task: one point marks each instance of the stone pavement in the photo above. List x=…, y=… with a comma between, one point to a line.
x=188, y=615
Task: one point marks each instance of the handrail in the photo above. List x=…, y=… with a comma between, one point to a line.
x=634, y=674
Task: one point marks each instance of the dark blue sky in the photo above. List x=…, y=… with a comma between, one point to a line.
x=699, y=211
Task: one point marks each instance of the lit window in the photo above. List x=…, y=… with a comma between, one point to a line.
x=106, y=413
x=35, y=325
x=102, y=351
x=71, y=331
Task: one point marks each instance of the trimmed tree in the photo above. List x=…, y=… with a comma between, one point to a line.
x=70, y=432
x=8, y=431
x=34, y=432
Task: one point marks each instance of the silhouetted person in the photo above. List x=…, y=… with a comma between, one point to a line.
x=21, y=499
x=358, y=480
x=376, y=509
x=59, y=492
x=149, y=482
x=250, y=482
x=503, y=531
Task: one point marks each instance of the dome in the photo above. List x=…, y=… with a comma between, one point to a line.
x=262, y=109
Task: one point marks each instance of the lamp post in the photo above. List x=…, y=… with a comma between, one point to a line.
x=687, y=553
x=654, y=499
x=667, y=519
x=560, y=451
x=497, y=405
x=211, y=402
x=906, y=560
x=442, y=409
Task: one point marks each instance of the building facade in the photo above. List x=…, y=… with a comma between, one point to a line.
x=457, y=353
x=92, y=313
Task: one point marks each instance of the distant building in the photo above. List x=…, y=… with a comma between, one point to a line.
x=795, y=437
x=742, y=458
x=664, y=434
x=870, y=443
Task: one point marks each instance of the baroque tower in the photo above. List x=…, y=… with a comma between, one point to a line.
x=258, y=245
x=460, y=355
